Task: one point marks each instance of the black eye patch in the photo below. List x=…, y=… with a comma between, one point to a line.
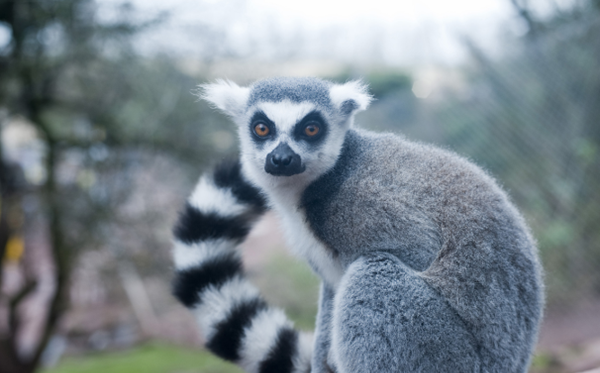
x=311, y=129
x=260, y=119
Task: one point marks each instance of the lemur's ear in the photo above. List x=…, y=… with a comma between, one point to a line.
x=225, y=95
x=350, y=97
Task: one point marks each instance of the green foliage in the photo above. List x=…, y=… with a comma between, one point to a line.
x=385, y=82
x=150, y=358
x=544, y=363
x=382, y=81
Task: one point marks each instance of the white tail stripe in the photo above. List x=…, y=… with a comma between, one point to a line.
x=216, y=302
x=187, y=256
x=207, y=197
x=304, y=349
x=260, y=337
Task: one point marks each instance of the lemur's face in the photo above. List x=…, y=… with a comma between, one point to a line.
x=285, y=139
x=291, y=129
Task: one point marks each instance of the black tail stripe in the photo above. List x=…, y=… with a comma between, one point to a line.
x=229, y=333
x=280, y=358
x=196, y=226
x=189, y=283
x=228, y=174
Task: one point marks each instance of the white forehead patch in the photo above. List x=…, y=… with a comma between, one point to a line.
x=285, y=114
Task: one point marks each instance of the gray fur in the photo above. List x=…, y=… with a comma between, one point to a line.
x=444, y=217
x=389, y=320
x=426, y=264
x=294, y=89
x=321, y=362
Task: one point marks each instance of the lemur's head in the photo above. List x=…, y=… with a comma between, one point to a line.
x=291, y=129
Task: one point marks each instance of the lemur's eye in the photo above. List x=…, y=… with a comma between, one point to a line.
x=261, y=129
x=311, y=130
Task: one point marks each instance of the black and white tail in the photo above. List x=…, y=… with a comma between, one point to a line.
x=235, y=321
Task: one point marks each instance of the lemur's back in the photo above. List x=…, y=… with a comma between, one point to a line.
x=433, y=210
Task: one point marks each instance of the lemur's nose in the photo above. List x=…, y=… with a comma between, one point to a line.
x=283, y=161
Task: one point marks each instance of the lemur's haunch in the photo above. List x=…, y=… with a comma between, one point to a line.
x=426, y=266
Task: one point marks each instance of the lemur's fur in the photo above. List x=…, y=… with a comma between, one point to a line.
x=426, y=264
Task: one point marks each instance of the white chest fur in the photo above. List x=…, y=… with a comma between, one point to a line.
x=303, y=243
x=284, y=196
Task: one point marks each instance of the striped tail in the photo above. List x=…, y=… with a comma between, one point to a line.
x=237, y=324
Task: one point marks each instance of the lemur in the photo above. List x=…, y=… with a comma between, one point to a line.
x=426, y=265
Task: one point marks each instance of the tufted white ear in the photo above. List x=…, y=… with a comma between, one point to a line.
x=350, y=97
x=225, y=95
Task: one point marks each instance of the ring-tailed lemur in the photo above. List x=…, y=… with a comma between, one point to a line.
x=426, y=264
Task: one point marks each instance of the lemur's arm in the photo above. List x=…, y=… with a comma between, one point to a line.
x=388, y=319
x=321, y=361
x=235, y=321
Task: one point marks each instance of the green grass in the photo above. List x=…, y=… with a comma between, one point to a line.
x=149, y=358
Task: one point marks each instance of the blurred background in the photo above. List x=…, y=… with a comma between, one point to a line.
x=101, y=141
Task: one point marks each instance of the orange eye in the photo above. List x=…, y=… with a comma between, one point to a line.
x=261, y=130
x=311, y=130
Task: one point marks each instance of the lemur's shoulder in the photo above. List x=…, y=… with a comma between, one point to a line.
x=388, y=193
x=393, y=166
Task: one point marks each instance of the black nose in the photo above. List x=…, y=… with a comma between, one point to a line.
x=283, y=161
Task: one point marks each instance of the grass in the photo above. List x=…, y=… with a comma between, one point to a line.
x=149, y=358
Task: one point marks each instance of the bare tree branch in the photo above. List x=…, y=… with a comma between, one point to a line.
x=14, y=303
